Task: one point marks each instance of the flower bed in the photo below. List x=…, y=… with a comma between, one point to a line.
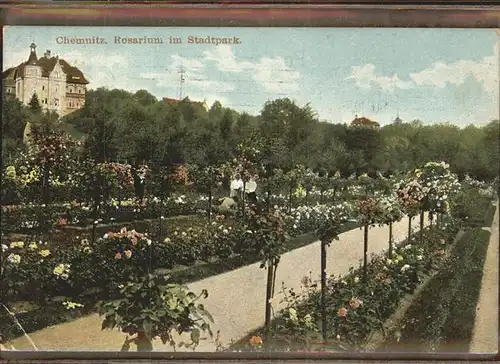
x=188, y=255
x=26, y=218
x=442, y=317
x=356, y=309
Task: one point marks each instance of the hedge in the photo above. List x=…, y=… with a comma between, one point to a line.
x=442, y=316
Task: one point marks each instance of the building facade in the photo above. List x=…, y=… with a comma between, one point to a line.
x=58, y=86
x=364, y=122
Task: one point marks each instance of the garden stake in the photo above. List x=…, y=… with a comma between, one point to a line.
x=390, y=240
x=421, y=232
x=209, y=204
x=269, y=199
x=270, y=268
x=323, y=289
x=243, y=199
x=161, y=220
x=409, y=227
x=18, y=324
x=365, y=258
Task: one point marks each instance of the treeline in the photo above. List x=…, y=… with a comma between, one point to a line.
x=137, y=128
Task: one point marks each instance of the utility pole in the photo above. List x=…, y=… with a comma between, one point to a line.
x=182, y=79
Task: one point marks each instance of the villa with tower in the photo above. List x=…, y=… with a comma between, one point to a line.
x=59, y=86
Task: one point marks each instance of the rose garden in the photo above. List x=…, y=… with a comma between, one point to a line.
x=134, y=244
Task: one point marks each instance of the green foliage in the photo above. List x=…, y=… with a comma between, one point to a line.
x=34, y=103
x=265, y=235
x=355, y=309
x=152, y=306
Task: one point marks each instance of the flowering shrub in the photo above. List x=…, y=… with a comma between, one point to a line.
x=264, y=236
x=31, y=272
x=324, y=220
x=370, y=212
x=391, y=210
x=410, y=195
x=438, y=184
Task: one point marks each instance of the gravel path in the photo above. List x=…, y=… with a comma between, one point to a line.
x=485, y=334
x=236, y=298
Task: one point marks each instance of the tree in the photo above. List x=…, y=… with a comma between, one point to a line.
x=216, y=111
x=226, y=125
x=145, y=98
x=34, y=104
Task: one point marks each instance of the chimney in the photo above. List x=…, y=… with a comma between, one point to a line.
x=47, y=53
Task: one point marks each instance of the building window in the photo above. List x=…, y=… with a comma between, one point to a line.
x=43, y=88
x=45, y=100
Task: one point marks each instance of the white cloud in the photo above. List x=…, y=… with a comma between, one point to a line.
x=276, y=76
x=365, y=77
x=441, y=74
x=101, y=69
x=226, y=61
x=12, y=59
x=194, y=74
x=271, y=73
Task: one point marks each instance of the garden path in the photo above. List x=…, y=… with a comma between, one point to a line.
x=236, y=298
x=485, y=334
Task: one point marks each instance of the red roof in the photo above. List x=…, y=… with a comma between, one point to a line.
x=362, y=121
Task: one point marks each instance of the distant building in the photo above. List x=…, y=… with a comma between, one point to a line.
x=398, y=119
x=362, y=121
x=172, y=101
x=58, y=86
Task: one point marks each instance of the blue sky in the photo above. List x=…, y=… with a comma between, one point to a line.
x=435, y=75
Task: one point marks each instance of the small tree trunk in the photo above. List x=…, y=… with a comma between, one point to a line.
x=269, y=293
x=290, y=200
x=421, y=232
x=321, y=197
x=119, y=197
x=323, y=290
x=307, y=197
x=268, y=199
x=365, y=254
x=210, y=204
x=390, y=240
x=243, y=195
x=160, y=233
x=409, y=227
x=143, y=343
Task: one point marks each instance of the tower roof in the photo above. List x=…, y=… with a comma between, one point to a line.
x=32, y=58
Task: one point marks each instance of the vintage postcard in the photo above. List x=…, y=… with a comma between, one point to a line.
x=255, y=190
